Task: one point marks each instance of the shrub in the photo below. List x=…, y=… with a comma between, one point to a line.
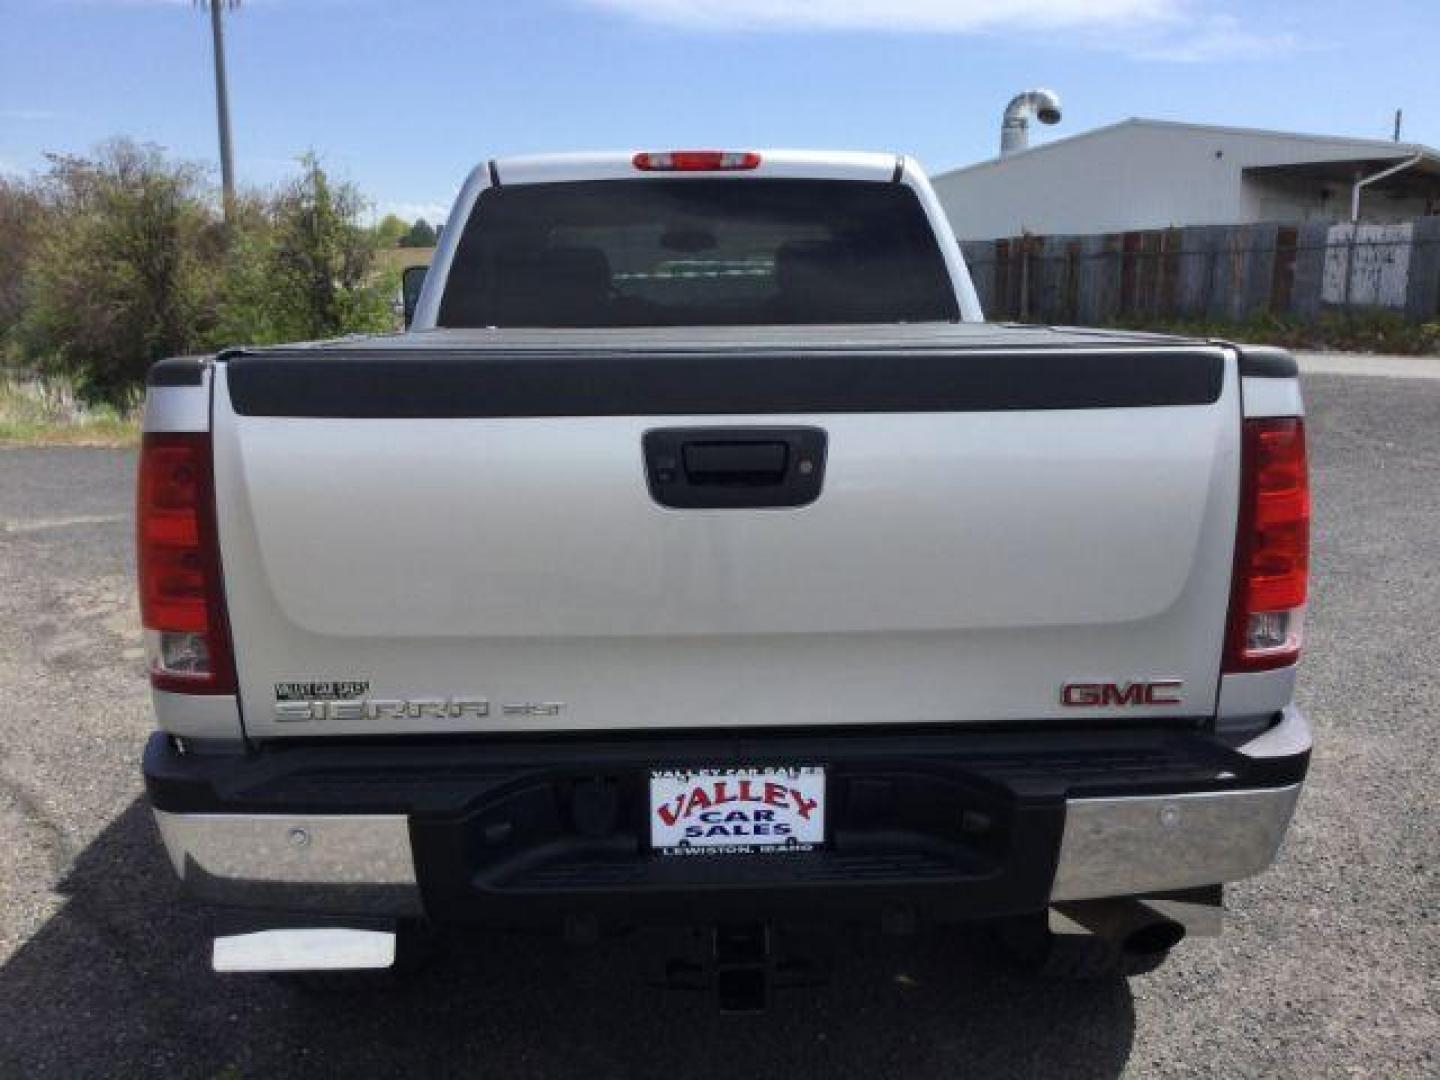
x=22, y=223
x=119, y=277
x=1352, y=331
x=301, y=266
x=113, y=261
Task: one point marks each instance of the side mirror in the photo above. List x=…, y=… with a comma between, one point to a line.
x=412, y=280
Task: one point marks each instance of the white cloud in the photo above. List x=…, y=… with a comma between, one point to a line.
x=1166, y=30
x=1214, y=37
x=29, y=114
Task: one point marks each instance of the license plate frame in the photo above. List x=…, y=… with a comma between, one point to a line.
x=748, y=810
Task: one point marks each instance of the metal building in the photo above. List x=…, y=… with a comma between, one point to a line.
x=1155, y=174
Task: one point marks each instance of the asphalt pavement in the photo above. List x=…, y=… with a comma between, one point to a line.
x=1329, y=966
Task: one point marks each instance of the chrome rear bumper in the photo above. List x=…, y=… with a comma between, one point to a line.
x=1111, y=847
x=1124, y=847
x=364, y=863
x=351, y=864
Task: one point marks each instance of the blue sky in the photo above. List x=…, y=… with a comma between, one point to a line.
x=404, y=96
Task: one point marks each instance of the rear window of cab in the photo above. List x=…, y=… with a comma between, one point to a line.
x=696, y=252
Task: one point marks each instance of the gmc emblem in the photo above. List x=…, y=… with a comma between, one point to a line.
x=1104, y=695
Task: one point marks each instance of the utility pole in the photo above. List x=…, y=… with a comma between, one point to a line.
x=222, y=104
x=1398, y=115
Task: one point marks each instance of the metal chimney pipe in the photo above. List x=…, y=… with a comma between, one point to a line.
x=1043, y=105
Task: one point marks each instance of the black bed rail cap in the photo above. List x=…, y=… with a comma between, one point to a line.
x=177, y=371
x=1266, y=362
x=437, y=384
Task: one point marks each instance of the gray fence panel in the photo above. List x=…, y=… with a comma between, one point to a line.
x=1309, y=270
x=1422, y=294
x=1226, y=273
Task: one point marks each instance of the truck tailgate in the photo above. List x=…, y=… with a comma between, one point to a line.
x=463, y=539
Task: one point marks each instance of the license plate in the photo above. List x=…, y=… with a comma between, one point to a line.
x=737, y=811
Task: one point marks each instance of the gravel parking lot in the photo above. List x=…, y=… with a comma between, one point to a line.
x=1328, y=967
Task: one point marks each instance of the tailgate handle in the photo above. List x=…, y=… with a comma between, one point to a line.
x=735, y=462
x=734, y=468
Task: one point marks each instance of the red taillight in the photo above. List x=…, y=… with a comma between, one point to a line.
x=1272, y=548
x=182, y=608
x=696, y=160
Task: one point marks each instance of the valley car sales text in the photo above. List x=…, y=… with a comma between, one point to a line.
x=740, y=809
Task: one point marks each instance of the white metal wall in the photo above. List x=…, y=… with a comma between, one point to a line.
x=1144, y=174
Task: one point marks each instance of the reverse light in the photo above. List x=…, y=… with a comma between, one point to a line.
x=1272, y=548
x=182, y=607
x=696, y=160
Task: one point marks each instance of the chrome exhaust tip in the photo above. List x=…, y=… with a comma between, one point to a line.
x=1143, y=925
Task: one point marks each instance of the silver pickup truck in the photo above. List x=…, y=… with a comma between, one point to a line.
x=699, y=557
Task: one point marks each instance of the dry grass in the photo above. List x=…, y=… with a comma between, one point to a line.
x=397, y=259
x=46, y=412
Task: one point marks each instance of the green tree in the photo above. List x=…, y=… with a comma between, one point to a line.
x=125, y=269
x=114, y=260
x=421, y=235
x=247, y=308
x=390, y=231
x=302, y=266
x=22, y=223
x=323, y=257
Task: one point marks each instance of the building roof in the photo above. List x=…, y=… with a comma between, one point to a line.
x=1319, y=150
x=1420, y=179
